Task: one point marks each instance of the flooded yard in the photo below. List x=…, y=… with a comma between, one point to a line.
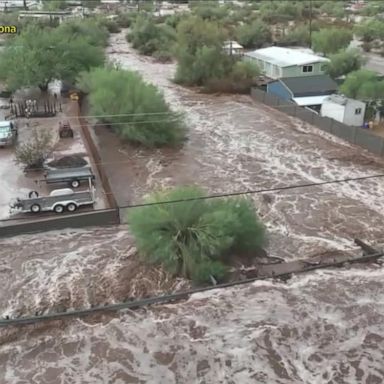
x=16, y=183
x=322, y=327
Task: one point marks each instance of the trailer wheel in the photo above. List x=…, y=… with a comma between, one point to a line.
x=33, y=195
x=71, y=207
x=35, y=208
x=75, y=183
x=59, y=208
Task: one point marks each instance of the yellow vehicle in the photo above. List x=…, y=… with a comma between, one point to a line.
x=74, y=96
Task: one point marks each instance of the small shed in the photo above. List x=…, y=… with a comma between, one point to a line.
x=340, y=108
x=233, y=48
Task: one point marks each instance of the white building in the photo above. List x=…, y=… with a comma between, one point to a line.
x=233, y=48
x=278, y=62
x=340, y=108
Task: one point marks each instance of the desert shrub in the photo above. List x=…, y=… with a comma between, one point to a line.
x=32, y=154
x=135, y=109
x=195, y=239
x=254, y=35
x=149, y=37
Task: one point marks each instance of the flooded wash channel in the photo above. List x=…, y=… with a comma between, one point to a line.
x=323, y=327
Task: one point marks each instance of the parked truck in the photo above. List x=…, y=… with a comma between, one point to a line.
x=8, y=133
x=58, y=201
x=71, y=176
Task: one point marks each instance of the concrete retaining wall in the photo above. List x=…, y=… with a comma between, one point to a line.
x=97, y=159
x=80, y=220
x=354, y=135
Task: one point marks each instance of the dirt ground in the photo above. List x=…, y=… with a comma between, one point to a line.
x=15, y=183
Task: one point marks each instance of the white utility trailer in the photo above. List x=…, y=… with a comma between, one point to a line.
x=58, y=201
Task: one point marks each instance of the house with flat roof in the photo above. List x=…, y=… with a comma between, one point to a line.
x=308, y=91
x=279, y=62
x=343, y=109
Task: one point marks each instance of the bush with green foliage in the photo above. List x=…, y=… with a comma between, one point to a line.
x=297, y=36
x=370, y=30
x=125, y=20
x=149, y=37
x=331, y=40
x=241, y=78
x=344, y=62
x=281, y=11
x=91, y=30
x=364, y=85
x=333, y=9
x=111, y=25
x=202, y=60
x=135, y=109
x=31, y=154
x=200, y=51
x=195, y=239
x=254, y=35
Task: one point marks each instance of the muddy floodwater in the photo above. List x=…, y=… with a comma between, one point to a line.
x=322, y=327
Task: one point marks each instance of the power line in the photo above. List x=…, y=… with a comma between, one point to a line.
x=256, y=191
x=171, y=113
x=232, y=194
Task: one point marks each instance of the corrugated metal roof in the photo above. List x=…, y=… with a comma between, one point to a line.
x=312, y=100
x=285, y=57
x=310, y=85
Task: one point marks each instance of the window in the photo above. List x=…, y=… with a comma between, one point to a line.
x=323, y=67
x=307, y=68
x=358, y=111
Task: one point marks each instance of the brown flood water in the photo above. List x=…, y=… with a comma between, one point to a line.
x=324, y=327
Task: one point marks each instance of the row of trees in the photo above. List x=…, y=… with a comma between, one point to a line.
x=40, y=54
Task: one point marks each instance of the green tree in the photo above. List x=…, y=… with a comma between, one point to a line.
x=372, y=8
x=200, y=51
x=254, y=35
x=297, y=36
x=92, y=30
x=35, y=57
x=364, y=85
x=195, y=239
x=280, y=11
x=148, y=37
x=135, y=109
x=370, y=30
x=331, y=40
x=344, y=62
x=334, y=8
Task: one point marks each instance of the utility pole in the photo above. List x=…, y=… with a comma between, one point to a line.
x=230, y=47
x=310, y=23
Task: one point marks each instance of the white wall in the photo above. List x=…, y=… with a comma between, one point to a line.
x=350, y=118
x=333, y=110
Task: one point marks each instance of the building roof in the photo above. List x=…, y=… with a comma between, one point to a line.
x=235, y=45
x=342, y=100
x=285, y=57
x=310, y=85
x=312, y=100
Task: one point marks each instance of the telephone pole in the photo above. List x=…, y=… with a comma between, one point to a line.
x=310, y=24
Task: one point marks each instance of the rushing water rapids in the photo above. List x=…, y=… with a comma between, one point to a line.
x=324, y=327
